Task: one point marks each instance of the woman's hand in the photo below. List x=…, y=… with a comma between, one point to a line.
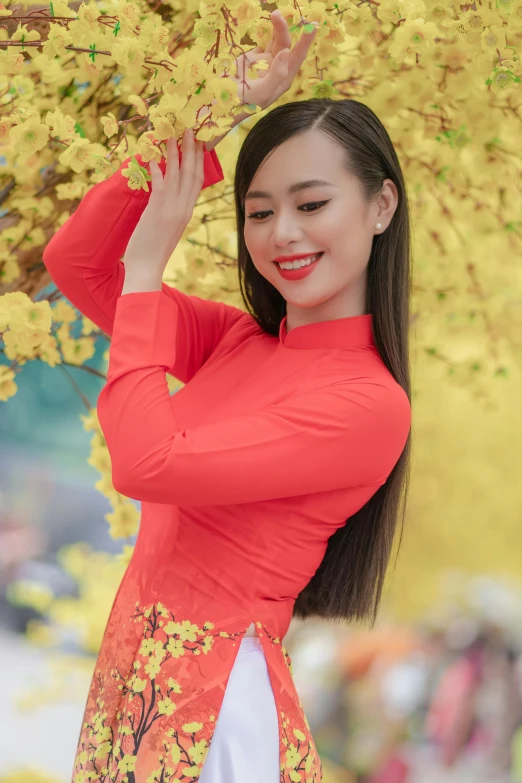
x=283, y=65
x=166, y=215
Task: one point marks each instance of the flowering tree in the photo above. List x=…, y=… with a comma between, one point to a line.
x=86, y=85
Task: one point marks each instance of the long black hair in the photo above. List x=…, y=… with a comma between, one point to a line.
x=349, y=581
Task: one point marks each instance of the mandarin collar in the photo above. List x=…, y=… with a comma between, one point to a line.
x=356, y=331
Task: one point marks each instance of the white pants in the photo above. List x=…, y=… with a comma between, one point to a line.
x=245, y=744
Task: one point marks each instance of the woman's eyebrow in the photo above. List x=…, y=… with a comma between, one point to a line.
x=309, y=183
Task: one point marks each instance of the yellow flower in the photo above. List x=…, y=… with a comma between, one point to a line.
x=175, y=648
x=174, y=686
x=150, y=647
x=137, y=176
x=9, y=270
x=166, y=707
x=78, y=351
x=163, y=128
x=139, y=104
x=110, y=124
x=292, y=757
x=191, y=772
x=198, y=752
x=63, y=313
x=8, y=387
x=57, y=39
x=128, y=53
x=147, y=149
x=188, y=631
x=123, y=521
x=77, y=156
x=225, y=92
x=153, y=666
x=139, y=685
x=29, y=137
x=192, y=728
x=127, y=763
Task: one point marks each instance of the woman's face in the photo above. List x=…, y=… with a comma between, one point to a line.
x=330, y=218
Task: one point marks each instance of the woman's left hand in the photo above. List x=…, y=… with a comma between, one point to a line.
x=283, y=65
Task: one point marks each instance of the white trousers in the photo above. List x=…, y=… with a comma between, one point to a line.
x=245, y=744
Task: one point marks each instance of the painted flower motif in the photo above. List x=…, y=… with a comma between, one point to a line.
x=148, y=725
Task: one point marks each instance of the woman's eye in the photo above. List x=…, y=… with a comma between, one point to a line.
x=317, y=204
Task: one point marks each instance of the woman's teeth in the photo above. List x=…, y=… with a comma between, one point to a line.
x=300, y=263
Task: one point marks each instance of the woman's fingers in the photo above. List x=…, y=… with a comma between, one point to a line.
x=280, y=34
x=299, y=52
x=172, y=169
x=199, y=175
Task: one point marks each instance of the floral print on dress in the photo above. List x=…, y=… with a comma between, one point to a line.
x=151, y=716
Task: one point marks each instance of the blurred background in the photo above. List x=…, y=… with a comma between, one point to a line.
x=432, y=694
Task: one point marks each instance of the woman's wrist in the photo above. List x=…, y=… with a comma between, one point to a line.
x=139, y=282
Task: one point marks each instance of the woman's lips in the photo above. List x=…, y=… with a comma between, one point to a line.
x=297, y=274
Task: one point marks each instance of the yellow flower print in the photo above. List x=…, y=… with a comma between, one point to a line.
x=175, y=648
x=191, y=728
x=208, y=641
x=127, y=763
x=166, y=707
x=185, y=630
x=103, y=749
x=174, y=686
x=138, y=686
x=150, y=647
x=191, y=772
x=172, y=628
x=153, y=667
x=292, y=757
x=198, y=752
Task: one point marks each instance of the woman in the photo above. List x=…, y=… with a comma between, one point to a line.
x=270, y=482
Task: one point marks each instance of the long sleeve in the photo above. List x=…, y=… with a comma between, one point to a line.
x=345, y=434
x=84, y=261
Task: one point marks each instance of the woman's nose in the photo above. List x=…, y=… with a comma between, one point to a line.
x=285, y=230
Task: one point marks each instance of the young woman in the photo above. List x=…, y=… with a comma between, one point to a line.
x=270, y=483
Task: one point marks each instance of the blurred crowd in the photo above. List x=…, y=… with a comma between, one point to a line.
x=414, y=704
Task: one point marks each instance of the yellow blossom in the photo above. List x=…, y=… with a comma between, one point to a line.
x=8, y=387
x=110, y=124
x=139, y=104
x=123, y=521
x=29, y=137
x=77, y=156
x=137, y=175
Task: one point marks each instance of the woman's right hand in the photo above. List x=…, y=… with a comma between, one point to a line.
x=161, y=226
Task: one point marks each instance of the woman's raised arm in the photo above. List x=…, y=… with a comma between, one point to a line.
x=84, y=261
